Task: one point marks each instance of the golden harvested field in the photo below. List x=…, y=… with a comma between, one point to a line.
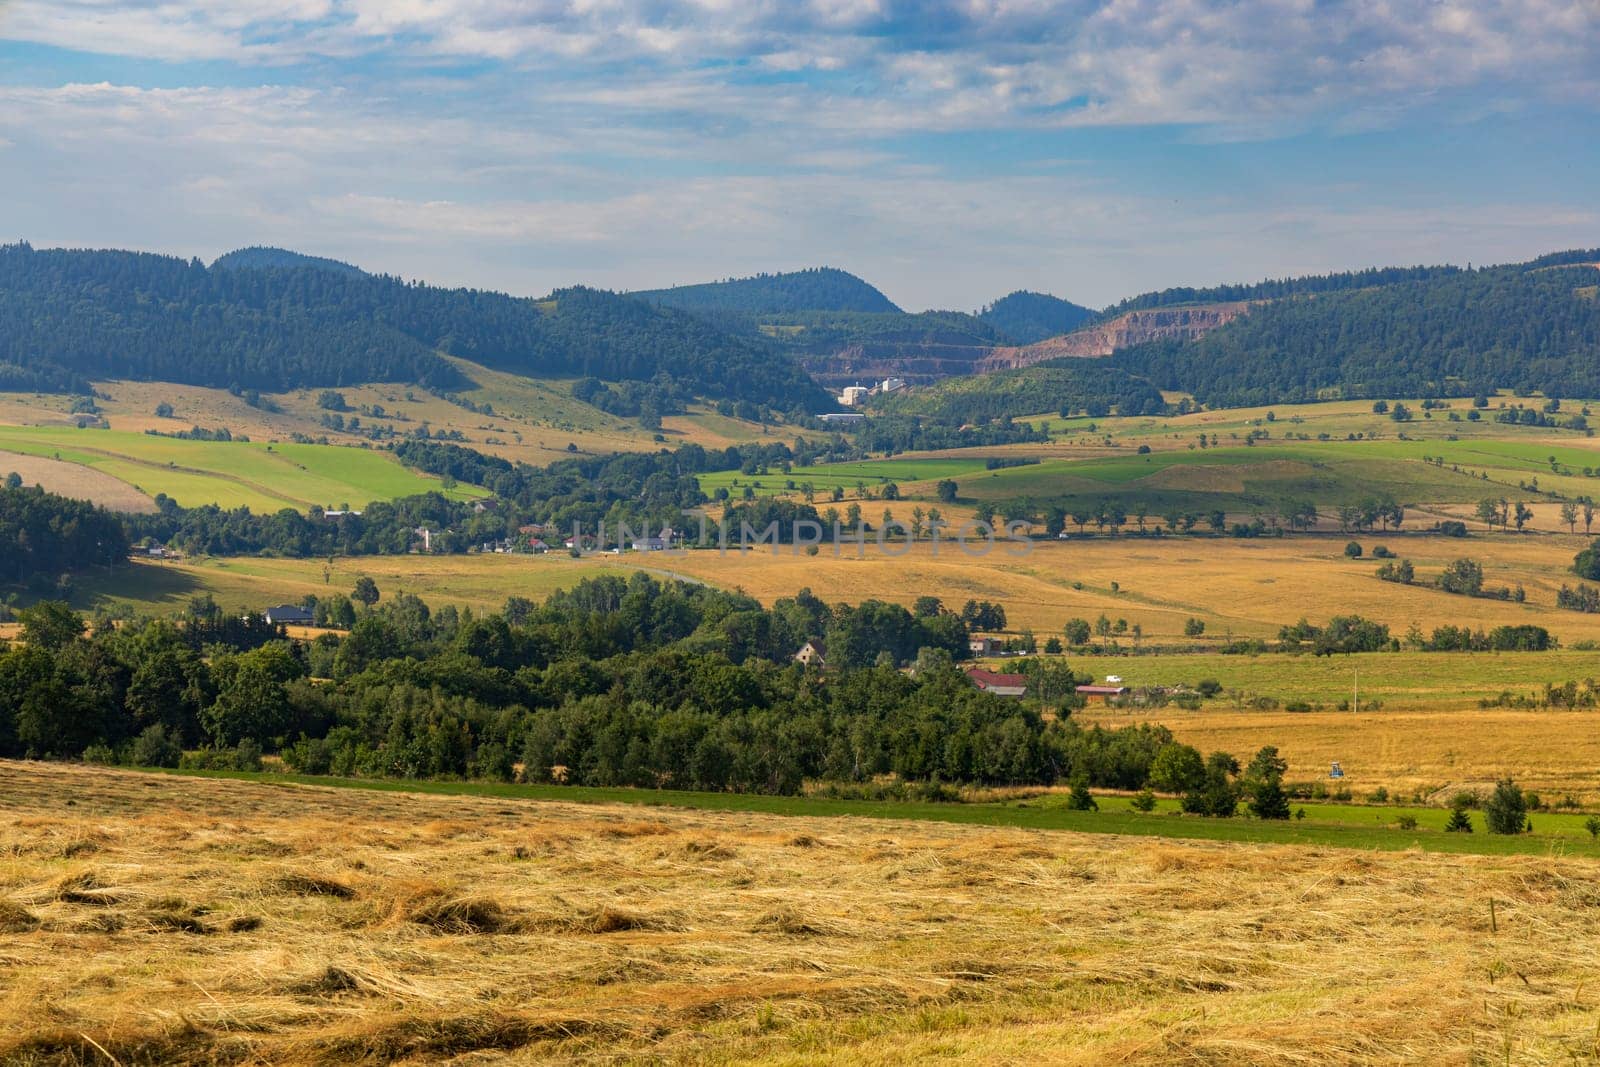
x=1248, y=588
x=161, y=919
x=1550, y=752
x=1242, y=588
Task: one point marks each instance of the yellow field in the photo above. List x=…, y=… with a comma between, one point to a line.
x=481, y=582
x=155, y=919
x=1242, y=588
x=1550, y=752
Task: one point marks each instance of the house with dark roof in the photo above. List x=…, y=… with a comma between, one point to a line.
x=1001, y=685
x=288, y=615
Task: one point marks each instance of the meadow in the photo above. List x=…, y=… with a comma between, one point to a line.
x=189, y=921
x=263, y=477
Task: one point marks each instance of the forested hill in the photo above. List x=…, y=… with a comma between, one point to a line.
x=1026, y=317
x=70, y=316
x=1530, y=327
x=1279, y=288
x=258, y=257
x=816, y=289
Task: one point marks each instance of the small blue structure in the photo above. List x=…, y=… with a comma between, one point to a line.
x=1336, y=771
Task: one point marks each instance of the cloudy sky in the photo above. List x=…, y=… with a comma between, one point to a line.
x=948, y=152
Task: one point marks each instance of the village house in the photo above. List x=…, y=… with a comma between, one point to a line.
x=812, y=654
x=1001, y=685
x=982, y=646
x=288, y=615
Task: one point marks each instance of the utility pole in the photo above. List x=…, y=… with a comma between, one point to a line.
x=1355, y=691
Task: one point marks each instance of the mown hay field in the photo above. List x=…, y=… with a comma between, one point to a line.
x=163, y=919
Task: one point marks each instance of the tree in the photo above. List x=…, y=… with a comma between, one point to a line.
x=1463, y=577
x=1522, y=515
x=1459, y=822
x=1352, y=550
x=1076, y=631
x=1488, y=512
x=163, y=411
x=1569, y=515
x=365, y=591
x=1052, y=646
x=50, y=625
x=1592, y=824
x=1506, y=811
x=1144, y=800
x=947, y=491
x=1177, y=768
x=1079, y=799
x=1193, y=627
x=927, y=607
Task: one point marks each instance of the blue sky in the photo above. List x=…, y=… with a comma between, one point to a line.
x=947, y=152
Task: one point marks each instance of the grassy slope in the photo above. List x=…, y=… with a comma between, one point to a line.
x=232, y=474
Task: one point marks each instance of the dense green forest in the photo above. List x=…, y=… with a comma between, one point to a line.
x=1027, y=317
x=47, y=535
x=260, y=257
x=611, y=683
x=1455, y=334
x=815, y=289
x=1279, y=288
x=1065, y=387
x=67, y=316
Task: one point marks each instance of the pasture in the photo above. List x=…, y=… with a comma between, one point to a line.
x=261, y=476
x=197, y=921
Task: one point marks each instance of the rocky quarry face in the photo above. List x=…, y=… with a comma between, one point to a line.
x=1102, y=339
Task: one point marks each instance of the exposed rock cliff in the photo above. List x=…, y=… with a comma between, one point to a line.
x=1102, y=339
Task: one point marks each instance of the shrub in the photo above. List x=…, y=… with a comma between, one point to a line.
x=1379, y=795
x=1144, y=800
x=1352, y=550
x=1459, y=822
x=1406, y=822
x=1592, y=824
x=154, y=748
x=1382, y=552
x=101, y=754
x=1209, y=687
x=1193, y=627
x=1079, y=799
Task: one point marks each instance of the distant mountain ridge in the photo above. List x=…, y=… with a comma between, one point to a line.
x=263, y=257
x=813, y=289
x=69, y=316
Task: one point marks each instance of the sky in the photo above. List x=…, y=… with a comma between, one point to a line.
x=949, y=153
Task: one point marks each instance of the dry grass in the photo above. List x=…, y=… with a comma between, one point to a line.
x=77, y=481
x=1553, y=752
x=254, y=923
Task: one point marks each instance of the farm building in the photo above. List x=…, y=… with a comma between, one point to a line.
x=1001, y=685
x=288, y=615
x=812, y=654
x=1104, y=692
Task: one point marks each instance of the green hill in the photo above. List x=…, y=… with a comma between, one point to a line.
x=1532, y=327
x=67, y=317
x=260, y=257
x=816, y=289
x=1027, y=317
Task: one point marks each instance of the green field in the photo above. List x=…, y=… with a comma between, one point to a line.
x=263, y=477
x=871, y=473
x=1335, y=825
